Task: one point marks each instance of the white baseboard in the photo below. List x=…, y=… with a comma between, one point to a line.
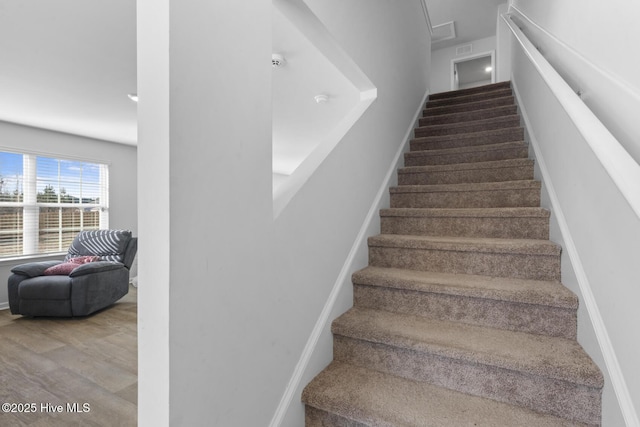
x=347, y=268
x=4, y=305
x=606, y=347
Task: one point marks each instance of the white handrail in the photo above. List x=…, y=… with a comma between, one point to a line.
x=426, y=16
x=617, y=162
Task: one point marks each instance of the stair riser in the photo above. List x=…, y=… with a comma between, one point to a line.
x=426, y=159
x=522, y=266
x=470, y=91
x=429, y=131
x=314, y=417
x=483, y=96
x=467, y=140
x=467, y=116
x=515, y=173
x=556, y=397
x=537, y=319
x=468, y=199
x=481, y=105
x=499, y=228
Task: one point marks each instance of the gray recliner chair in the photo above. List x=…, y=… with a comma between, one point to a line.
x=60, y=289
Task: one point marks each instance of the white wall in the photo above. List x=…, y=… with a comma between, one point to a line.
x=594, y=46
x=440, y=80
x=245, y=291
x=597, y=228
x=122, y=173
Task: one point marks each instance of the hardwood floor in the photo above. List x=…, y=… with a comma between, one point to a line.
x=78, y=363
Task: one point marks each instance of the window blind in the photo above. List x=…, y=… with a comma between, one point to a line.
x=45, y=202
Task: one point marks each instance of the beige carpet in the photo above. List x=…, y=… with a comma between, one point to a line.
x=460, y=318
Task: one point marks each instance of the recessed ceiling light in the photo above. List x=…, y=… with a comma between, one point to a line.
x=321, y=98
x=488, y=69
x=133, y=97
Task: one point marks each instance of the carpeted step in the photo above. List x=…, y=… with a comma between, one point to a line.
x=346, y=395
x=545, y=374
x=470, y=91
x=499, y=223
x=523, y=193
x=468, y=116
x=500, y=170
x=480, y=96
x=493, y=123
x=518, y=258
x=469, y=106
x=533, y=306
x=483, y=137
x=471, y=154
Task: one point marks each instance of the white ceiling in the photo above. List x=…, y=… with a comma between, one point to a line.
x=68, y=65
x=473, y=19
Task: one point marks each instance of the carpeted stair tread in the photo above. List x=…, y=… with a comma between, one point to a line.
x=539, y=355
x=469, y=91
x=458, y=173
x=466, y=116
x=469, y=106
x=521, y=258
x=549, y=293
x=480, y=96
x=364, y=397
x=466, y=187
x=466, y=213
x=505, y=222
x=468, y=127
x=532, y=306
x=467, y=244
x=467, y=154
x=483, y=137
x=496, y=164
x=519, y=193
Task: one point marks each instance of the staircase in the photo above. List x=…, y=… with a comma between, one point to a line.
x=460, y=318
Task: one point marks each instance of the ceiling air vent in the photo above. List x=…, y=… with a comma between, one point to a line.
x=442, y=32
x=464, y=50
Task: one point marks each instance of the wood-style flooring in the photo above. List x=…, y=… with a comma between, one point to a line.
x=71, y=362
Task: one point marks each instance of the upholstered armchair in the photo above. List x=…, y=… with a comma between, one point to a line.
x=93, y=275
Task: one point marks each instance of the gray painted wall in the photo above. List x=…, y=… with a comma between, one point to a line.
x=593, y=44
x=122, y=173
x=598, y=221
x=233, y=307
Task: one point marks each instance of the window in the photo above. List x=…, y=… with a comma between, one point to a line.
x=45, y=202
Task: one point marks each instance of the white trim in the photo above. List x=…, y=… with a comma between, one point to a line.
x=454, y=61
x=21, y=259
x=56, y=155
x=426, y=16
x=589, y=300
x=617, y=162
x=360, y=241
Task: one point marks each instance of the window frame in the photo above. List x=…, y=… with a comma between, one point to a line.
x=31, y=208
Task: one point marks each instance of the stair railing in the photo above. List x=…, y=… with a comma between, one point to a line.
x=617, y=162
